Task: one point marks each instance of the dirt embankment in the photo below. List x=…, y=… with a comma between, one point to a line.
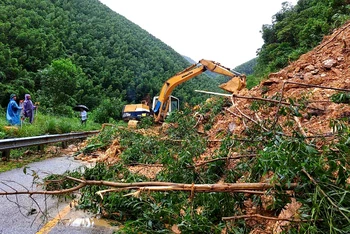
x=311, y=80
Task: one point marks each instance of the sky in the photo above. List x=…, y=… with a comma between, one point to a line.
x=225, y=31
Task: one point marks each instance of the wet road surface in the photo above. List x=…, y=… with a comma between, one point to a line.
x=24, y=214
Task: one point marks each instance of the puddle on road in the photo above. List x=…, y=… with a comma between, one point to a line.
x=82, y=219
x=89, y=222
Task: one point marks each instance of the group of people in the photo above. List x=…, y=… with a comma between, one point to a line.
x=15, y=112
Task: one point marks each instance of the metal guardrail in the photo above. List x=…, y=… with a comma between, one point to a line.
x=13, y=143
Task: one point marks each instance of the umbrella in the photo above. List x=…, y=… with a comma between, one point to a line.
x=78, y=107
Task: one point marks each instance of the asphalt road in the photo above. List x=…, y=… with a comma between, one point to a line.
x=23, y=214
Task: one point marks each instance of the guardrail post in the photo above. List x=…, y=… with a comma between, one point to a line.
x=5, y=154
x=40, y=147
x=64, y=144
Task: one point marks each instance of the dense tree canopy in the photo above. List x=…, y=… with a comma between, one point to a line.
x=67, y=52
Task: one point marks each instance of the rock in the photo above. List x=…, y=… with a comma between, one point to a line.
x=314, y=72
x=329, y=63
x=280, y=75
x=316, y=80
x=308, y=76
x=270, y=82
x=309, y=68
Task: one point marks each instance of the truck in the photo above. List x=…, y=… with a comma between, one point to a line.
x=165, y=103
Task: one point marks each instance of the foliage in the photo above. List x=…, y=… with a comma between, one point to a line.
x=146, y=122
x=341, y=97
x=247, y=68
x=109, y=110
x=65, y=75
x=79, y=52
x=296, y=30
x=46, y=124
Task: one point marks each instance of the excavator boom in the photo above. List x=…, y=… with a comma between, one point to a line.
x=161, y=108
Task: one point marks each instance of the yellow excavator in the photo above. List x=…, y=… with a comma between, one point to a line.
x=165, y=103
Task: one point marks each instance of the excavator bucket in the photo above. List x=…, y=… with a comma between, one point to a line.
x=234, y=85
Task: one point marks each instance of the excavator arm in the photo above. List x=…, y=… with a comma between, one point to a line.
x=161, y=108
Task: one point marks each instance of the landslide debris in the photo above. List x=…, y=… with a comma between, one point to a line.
x=306, y=86
x=314, y=78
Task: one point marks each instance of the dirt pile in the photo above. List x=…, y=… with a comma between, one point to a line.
x=310, y=80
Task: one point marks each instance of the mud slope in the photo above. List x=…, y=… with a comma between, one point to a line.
x=311, y=80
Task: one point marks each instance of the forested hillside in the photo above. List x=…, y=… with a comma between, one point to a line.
x=68, y=52
x=296, y=30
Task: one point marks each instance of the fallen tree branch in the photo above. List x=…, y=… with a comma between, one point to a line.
x=279, y=106
x=274, y=101
x=158, y=186
x=299, y=126
x=145, y=164
x=255, y=216
x=316, y=86
x=56, y=192
x=225, y=158
x=247, y=118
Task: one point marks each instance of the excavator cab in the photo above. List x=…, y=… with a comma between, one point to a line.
x=174, y=104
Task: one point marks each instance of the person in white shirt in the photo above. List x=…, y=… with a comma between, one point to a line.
x=83, y=116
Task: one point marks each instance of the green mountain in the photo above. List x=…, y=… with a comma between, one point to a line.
x=247, y=67
x=294, y=31
x=68, y=52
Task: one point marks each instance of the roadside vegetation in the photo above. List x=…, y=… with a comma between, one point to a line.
x=46, y=124
x=42, y=125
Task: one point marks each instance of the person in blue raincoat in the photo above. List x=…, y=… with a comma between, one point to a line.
x=13, y=111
